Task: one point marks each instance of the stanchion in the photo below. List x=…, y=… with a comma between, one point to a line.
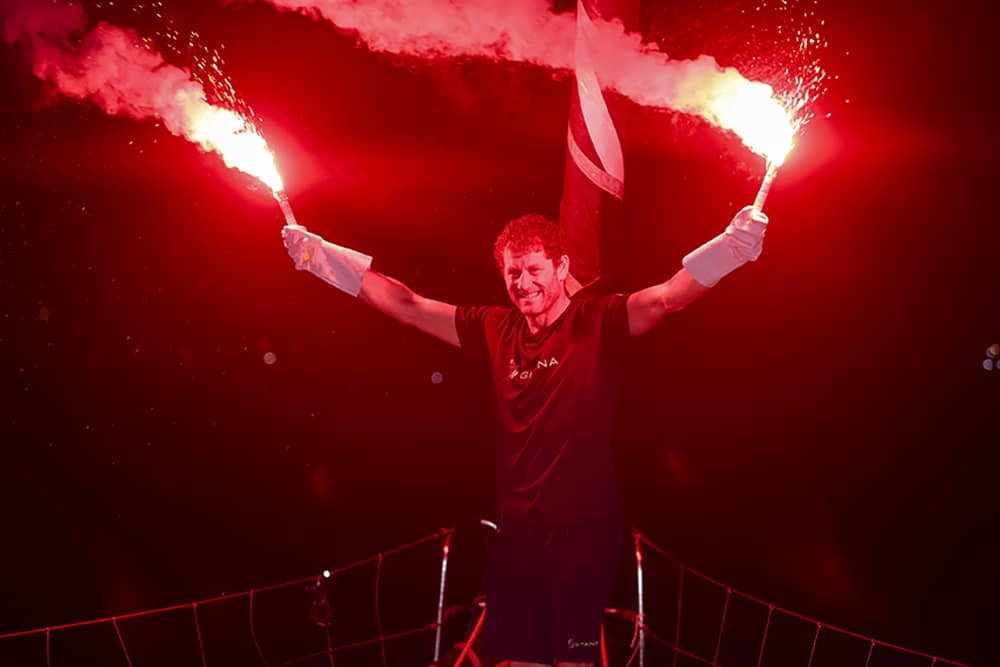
x=440, y=611
x=641, y=618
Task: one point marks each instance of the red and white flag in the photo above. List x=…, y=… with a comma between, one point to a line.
x=594, y=182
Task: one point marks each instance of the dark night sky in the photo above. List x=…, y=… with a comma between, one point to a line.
x=817, y=431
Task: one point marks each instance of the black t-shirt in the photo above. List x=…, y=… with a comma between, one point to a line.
x=554, y=398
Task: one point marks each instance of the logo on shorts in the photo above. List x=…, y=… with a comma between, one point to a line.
x=572, y=643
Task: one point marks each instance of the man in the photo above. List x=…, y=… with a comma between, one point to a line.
x=555, y=364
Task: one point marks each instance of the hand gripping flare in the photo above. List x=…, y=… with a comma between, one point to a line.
x=742, y=242
x=341, y=267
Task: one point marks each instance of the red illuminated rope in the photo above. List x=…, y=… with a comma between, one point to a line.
x=722, y=623
x=378, y=612
x=678, y=649
x=793, y=614
x=329, y=646
x=467, y=648
x=250, y=593
x=812, y=651
x=390, y=552
x=253, y=635
x=631, y=617
x=150, y=612
x=680, y=599
x=358, y=644
x=635, y=652
x=197, y=629
x=231, y=596
x=767, y=627
x=121, y=641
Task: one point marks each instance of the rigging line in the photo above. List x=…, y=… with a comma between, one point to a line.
x=230, y=596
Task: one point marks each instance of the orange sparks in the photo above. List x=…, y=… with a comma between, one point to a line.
x=231, y=136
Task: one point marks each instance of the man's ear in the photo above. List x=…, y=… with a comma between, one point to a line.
x=562, y=267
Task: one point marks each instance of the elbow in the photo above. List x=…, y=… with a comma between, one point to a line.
x=673, y=300
x=671, y=305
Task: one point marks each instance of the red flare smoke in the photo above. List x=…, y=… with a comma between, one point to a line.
x=115, y=69
x=527, y=31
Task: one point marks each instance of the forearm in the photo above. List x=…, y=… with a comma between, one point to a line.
x=703, y=268
x=681, y=291
x=388, y=295
x=350, y=271
x=393, y=298
x=649, y=306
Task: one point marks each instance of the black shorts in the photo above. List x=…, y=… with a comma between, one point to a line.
x=546, y=590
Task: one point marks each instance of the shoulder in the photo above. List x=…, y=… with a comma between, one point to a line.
x=605, y=316
x=602, y=305
x=496, y=317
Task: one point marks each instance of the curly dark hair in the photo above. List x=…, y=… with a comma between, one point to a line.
x=527, y=233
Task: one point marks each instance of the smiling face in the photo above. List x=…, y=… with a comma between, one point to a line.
x=530, y=253
x=535, y=283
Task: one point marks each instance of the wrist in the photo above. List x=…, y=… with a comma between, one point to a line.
x=711, y=262
x=344, y=268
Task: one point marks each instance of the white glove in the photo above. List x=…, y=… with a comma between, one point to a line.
x=341, y=267
x=742, y=242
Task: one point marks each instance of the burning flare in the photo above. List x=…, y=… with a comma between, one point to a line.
x=233, y=138
x=751, y=111
x=125, y=76
x=122, y=74
x=239, y=144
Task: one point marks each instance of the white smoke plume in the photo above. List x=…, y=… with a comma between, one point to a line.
x=528, y=31
x=114, y=68
x=108, y=65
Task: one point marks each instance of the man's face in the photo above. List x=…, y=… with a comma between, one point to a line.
x=534, y=282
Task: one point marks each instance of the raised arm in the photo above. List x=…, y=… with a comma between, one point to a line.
x=742, y=242
x=649, y=306
x=350, y=272
x=401, y=303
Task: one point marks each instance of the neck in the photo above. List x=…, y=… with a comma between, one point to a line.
x=538, y=322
